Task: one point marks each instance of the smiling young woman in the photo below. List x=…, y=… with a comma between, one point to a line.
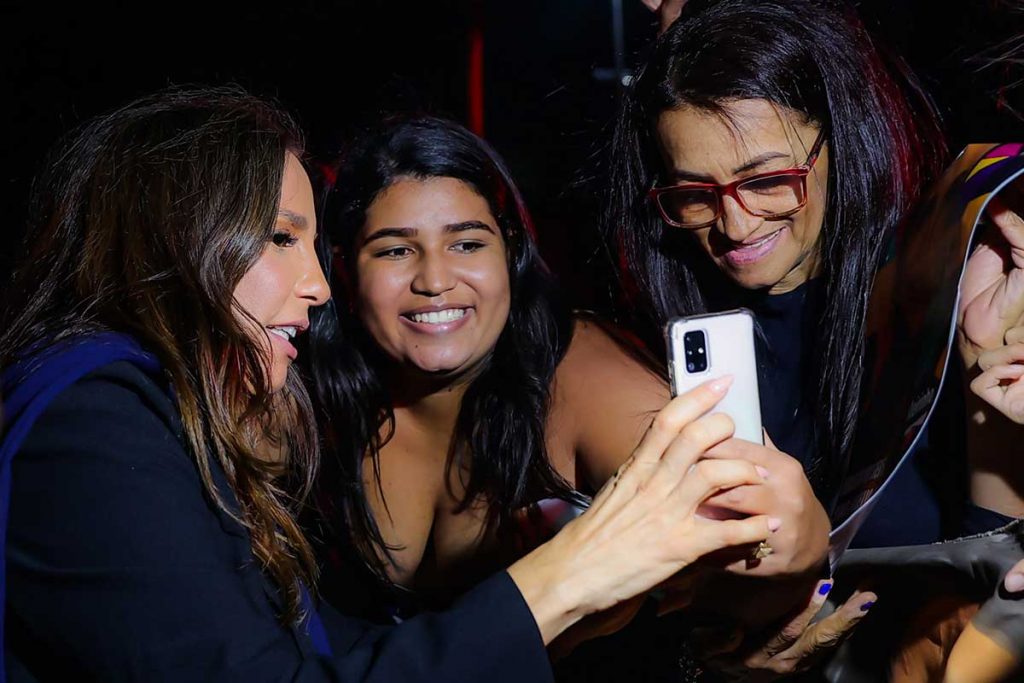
x=434, y=283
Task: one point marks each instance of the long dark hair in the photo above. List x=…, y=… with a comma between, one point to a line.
x=500, y=427
x=812, y=57
x=144, y=222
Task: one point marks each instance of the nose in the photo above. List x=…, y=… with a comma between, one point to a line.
x=312, y=285
x=433, y=276
x=736, y=223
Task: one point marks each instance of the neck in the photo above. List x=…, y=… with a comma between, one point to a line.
x=429, y=400
x=807, y=269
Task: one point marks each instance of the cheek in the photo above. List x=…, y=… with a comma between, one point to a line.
x=703, y=240
x=814, y=214
x=263, y=290
x=808, y=228
x=492, y=283
x=377, y=296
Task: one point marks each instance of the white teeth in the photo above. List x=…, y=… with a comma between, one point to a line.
x=439, y=317
x=286, y=333
x=760, y=241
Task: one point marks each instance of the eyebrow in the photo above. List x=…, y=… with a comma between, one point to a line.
x=384, y=233
x=468, y=225
x=760, y=160
x=296, y=219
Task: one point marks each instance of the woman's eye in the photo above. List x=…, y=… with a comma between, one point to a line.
x=284, y=239
x=468, y=247
x=394, y=252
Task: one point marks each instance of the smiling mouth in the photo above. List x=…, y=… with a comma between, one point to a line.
x=751, y=252
x=764, y=240
x=448, y=315
x=285, y=332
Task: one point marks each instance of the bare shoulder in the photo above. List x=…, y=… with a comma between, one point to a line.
x=602, y=352
x=606, y=390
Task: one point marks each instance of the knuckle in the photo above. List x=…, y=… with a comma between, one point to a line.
x=827, y=640
x=696, y=432
x=708, y=472
x=664, y=423
x=791, y=633
x=624, y=467
x=792, y=468
x=723, y=423
x=782, y=666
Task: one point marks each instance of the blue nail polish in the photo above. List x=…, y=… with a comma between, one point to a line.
x=866, y=606
x=825, y=588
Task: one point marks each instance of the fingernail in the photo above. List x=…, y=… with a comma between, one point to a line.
x=867, y=605
x=824, y=589
x=762, y=471
x=774, y=524
x=1014, y=582
x=721, y=384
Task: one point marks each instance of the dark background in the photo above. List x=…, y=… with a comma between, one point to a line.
x=340, y=64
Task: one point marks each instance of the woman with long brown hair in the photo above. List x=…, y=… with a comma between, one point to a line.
x=158, y=446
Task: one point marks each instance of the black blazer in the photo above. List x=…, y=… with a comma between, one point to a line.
x=120, y=568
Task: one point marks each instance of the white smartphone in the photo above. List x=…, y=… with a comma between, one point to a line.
x=703, y=347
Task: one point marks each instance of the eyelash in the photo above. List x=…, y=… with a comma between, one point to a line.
x=467, y=247
x=392, y=253
x=284, y=239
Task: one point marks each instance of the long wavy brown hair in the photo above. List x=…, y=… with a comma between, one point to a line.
x=143, y=222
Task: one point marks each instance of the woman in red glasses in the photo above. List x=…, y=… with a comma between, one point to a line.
x=763, y=155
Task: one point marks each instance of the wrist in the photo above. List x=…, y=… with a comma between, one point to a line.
x=545, y=579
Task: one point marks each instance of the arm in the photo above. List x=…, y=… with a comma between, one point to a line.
x=603, y=399
x=119, y=568
x=123, y=570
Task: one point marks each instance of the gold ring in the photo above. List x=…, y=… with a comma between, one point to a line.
x=762, y=551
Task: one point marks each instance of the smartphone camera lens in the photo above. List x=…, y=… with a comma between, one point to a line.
x=695, y=347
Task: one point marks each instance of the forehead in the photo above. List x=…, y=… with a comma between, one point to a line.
x=296, y=190
x=425, y=203
x=743, y=130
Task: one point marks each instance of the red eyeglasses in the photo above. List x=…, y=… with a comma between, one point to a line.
x=775, y=194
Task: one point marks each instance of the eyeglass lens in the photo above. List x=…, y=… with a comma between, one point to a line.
x=766, y=197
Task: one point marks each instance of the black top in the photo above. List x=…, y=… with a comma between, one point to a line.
x=120, y=568
x=785, y=341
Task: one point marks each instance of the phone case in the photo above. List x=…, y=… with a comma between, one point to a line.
x=728, y=350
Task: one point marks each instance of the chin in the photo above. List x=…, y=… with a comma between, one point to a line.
x=748, y=280
x=442, y=367
x=762, y=276
x=446, y=371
